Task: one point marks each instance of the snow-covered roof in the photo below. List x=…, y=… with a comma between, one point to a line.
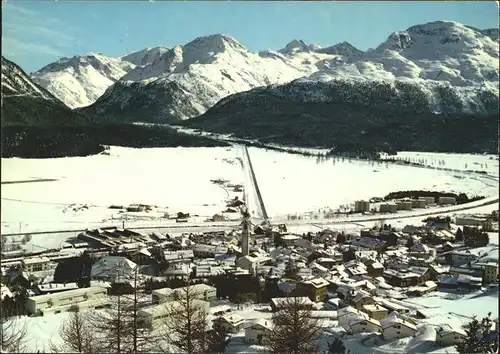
x=233, y=318
x=162, y=292
x=349, y=310
x=68, y=294
x=377, y=265
x=446, y=330
x=392, y=320
x=5, y=291
x=317, y=282
x=178, y=269
x=53, y=287
x=319, y=267
x=112, y=265
x=36, y=260
x=282, y=301
x=215, y=249
x=178, y=255
x=358, y=319
x=402, y=275
x=374, y=308
x=260, y=322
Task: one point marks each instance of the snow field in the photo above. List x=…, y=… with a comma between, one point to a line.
x=175, y=179
x=178, y=179
x=293, y=184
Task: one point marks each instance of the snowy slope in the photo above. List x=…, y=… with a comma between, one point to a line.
x=26, y=103
x=440, y=67
x=145, y=56
x=15, y=82
x=80, y=80
x=187, y=80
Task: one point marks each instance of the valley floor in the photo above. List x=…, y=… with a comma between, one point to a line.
x=80, y=190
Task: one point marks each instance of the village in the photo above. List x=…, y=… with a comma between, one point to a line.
x=355, y=282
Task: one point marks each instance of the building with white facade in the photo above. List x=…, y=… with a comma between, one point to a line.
x=112, y=267
x=37, y=264
x=345, y=314
x=447, y=336
x=394, y=327
x=231, y=322
x=257, y=331
x=361, y=206
x=155, y=316
x=84, y=298
x=198, y=291
x=360, y=324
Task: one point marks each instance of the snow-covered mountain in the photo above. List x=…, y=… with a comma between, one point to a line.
x=15, y=83
x=298, y=45
x=145, y=56
x=187, y=80
x=428, y=57
x=26, y=103
x=184, y=81
x=78, y=81
x=344, y=49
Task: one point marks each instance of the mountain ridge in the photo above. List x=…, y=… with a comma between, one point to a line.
x=212, y=67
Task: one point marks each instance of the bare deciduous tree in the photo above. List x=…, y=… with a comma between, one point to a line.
x=77, y=335
x=294, y=330
x=186, y=322
x=119, y=328
x=13, y=335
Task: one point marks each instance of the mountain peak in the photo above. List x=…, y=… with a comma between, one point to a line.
x=343, y=48
x=216, y=43
x=15, y=82
x=296, y=45
x=436, y=33
x=145, y=56
x=78, y=81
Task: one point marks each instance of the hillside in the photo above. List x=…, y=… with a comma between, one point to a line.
x=35, y=124
x=80, y=80
x=358, y=118
x=26, y=103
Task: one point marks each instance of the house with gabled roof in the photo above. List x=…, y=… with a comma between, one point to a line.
x=231, y=322
x=346, y=313
x=394, y=327
x=257, y=331
x=360, y=299
x=360, y=324
x=447, y=336
x=314, y=288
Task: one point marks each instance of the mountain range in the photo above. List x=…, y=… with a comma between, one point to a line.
x=439, y=69
x=170, y=84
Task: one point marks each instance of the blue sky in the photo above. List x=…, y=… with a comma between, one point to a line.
x=36, y=33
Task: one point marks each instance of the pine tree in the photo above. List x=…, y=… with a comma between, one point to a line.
x=478, y=337
x=291, y=269
x=410, y=243
x=341, y=238
x=337, y=347
x=459, y=235
x=294, y=330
